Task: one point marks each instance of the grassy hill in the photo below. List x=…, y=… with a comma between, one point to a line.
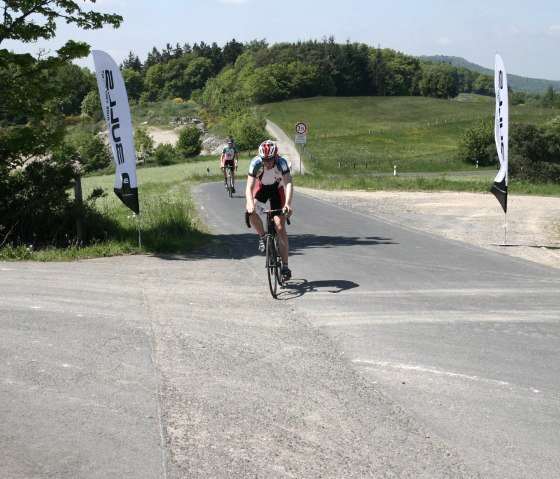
x=369, y=135
x=516, y=82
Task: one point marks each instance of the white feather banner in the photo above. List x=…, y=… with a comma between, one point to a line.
x=114, y=103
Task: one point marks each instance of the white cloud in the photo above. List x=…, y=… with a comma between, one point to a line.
x=554, y=30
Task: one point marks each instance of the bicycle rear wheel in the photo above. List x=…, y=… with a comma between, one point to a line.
x=272, y=267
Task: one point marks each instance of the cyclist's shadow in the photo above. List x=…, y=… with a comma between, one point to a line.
x=298, y=287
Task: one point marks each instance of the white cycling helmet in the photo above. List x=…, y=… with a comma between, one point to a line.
x=267, y=150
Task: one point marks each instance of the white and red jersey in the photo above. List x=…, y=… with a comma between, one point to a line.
x=270, y=176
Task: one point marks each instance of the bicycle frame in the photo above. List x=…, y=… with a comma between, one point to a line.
x=273, y=258
x=229, y=180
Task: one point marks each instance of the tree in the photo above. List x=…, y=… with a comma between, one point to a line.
x=95, y=154
x=231, y=51
x=477, y=144
x=132, y=62
x=439, y=81
x=30, y=20
x=154, y=82
x=134, y=83
x=73, y=83
x=548, y=97
x=31, y=122
x=153, y=58
x=247, y=129
x=308, y=80
x=396, y=74
x=484, y=85
x=195, y=75
x=91, y=106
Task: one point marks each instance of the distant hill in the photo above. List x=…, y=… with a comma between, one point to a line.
x=515, y=82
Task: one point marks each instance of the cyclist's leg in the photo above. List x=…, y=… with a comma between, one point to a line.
x=283, y=241
x=226, y=166
x=255, y=219
x=277, y=202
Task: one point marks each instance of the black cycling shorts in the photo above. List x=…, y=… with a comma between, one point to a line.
x=274, y=193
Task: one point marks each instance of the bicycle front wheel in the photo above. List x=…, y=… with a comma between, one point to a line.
x=230, y=182
x=272, y=267
x=278, y=269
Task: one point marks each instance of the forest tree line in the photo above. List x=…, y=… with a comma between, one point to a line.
x=239, y=75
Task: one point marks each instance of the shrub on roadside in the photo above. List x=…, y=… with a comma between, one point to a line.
x=189, y=143
x=164, y=154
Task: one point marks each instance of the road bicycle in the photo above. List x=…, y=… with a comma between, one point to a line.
x=273, y=258
x=229, y=180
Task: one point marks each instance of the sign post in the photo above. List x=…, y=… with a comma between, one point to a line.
x=301, y=139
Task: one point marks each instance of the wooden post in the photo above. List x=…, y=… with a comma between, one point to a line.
x=79, y=202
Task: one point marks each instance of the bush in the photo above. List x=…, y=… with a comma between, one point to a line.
x=35, y=207
x=95, y=154
x=523, y=169
x=165, y=154
x=534, y=153
x=91, y=106
x=478, y=144
x=248, y=131
x=143, y=144
x=189, y=143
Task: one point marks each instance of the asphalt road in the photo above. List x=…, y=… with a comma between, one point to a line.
x=465, y=339
x=393, y=353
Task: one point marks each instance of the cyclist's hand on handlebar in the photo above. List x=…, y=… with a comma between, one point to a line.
x=287, y=211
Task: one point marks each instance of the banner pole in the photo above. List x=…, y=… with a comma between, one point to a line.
x=505, y=228
x=139, y=230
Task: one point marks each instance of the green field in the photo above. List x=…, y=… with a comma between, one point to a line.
x=365, y=135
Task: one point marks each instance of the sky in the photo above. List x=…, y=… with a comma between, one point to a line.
x=526, y=33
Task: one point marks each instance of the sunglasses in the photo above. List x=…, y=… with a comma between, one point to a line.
x=268, y=160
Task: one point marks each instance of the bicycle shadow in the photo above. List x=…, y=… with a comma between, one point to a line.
x=296, y=288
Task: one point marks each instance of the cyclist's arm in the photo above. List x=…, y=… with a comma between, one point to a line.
x=289, y=191
x=250, y=202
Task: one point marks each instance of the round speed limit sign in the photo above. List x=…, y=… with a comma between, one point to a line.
x=301, y=128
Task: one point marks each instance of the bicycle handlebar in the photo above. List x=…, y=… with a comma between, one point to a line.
x=272, y=212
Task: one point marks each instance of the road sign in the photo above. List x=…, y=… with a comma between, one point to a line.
x=301, y=128
x=300, y=139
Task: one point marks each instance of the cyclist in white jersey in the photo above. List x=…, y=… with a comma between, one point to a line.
x=229, y=157
x=270, y=179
